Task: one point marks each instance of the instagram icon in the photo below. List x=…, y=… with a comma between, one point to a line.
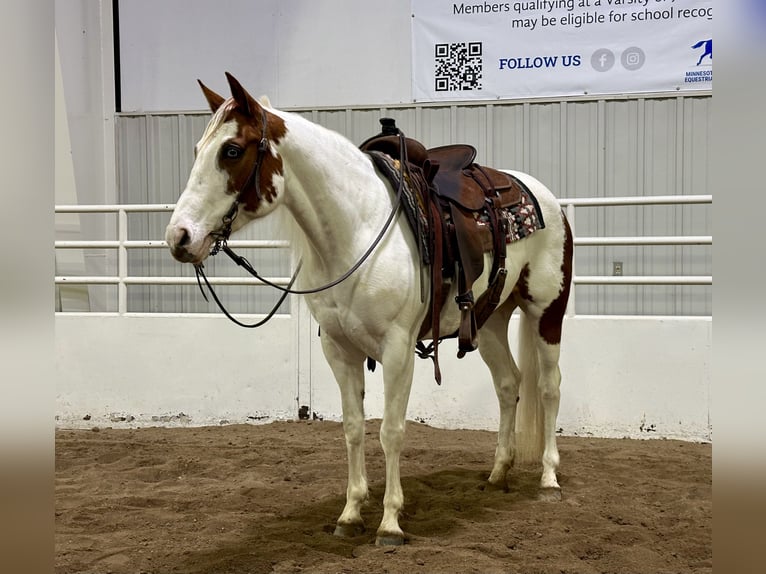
x=633, y=58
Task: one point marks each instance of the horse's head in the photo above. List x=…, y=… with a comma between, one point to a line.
x=236, y=175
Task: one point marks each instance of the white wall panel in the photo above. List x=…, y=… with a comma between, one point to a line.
x=643, y=372
x=621, y=376
x=508, y=137
x=150, y=368
x=298, y=52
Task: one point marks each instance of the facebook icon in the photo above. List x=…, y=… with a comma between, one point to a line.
x=602, y=60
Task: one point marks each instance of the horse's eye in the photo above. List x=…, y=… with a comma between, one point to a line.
x=232, y=152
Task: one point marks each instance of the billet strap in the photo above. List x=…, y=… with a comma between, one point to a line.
x=490, y=299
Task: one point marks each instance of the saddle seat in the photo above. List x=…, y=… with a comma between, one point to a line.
x=452, y=171
x=453, y=157
x=469, y=184
x=455, y=191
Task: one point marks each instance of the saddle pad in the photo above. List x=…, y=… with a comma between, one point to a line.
x=411, y=200
x=524, y=218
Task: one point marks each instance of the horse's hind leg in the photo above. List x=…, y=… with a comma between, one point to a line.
x=349, y=374
x=546, y=335
x=548, y=384
x=496, y=353
x=539, y=400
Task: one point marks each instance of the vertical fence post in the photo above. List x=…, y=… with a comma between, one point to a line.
x=570, y=312
x=122, y=261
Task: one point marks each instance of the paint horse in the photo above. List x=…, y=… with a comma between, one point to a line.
x=253, y=158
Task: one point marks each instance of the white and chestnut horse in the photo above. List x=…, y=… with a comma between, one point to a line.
x=253, y=159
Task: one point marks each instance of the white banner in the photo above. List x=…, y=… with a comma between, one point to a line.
x=541, y=48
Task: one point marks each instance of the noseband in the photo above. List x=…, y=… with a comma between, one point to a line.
x=222, y=236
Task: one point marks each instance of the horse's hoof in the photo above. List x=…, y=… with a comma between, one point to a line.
x=549, y=495
x=497, y=477
x=390, y=540
x=350, y=530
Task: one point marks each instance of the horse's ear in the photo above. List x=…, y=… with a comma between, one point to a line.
x=245, y=101
x=213, y=99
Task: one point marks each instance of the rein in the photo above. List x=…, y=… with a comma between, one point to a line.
x=200, y=273
x=223, y=236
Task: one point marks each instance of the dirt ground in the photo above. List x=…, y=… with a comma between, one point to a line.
x=264, y=498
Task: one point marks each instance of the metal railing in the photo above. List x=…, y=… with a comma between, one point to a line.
x=570, y=204
x=122, y=244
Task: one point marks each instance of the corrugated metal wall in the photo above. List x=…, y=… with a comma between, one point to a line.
x=611, y=147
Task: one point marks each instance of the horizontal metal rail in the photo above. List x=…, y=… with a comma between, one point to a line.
x=123, y=244
x=643, y=280
x=133, y=280
x=636, y=200
x=116, y=208
x=161, y=243
x=654, y=240
x=271, y=243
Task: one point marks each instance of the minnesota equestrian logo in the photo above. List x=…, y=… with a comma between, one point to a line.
x=707, y=51
x=704, y=75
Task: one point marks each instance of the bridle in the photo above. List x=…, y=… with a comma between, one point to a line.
x=222, y=236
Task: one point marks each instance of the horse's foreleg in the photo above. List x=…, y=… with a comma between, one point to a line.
x=349, y=374
x=495, y=350
x=398, y=366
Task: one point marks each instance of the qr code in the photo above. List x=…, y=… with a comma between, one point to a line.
x=458, y=66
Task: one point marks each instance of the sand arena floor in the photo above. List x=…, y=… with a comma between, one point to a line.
x=264, y=498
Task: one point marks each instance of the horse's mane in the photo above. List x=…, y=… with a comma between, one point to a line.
x=216, y=121
x=331, y=140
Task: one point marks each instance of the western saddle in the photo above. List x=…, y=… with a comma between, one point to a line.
x=462, y=204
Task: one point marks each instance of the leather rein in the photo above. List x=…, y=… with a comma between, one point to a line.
x=222, y=236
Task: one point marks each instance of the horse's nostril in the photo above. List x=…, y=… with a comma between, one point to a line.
x=183, y=238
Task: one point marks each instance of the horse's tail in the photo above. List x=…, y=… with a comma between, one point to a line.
x=529, y=415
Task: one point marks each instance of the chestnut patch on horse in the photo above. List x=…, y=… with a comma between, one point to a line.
x=550, y=322
x=521, y=289
x=240, y=155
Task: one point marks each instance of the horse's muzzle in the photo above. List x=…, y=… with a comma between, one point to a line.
x=183, y=249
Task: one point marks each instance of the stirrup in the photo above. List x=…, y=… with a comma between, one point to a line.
x=467, y=330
